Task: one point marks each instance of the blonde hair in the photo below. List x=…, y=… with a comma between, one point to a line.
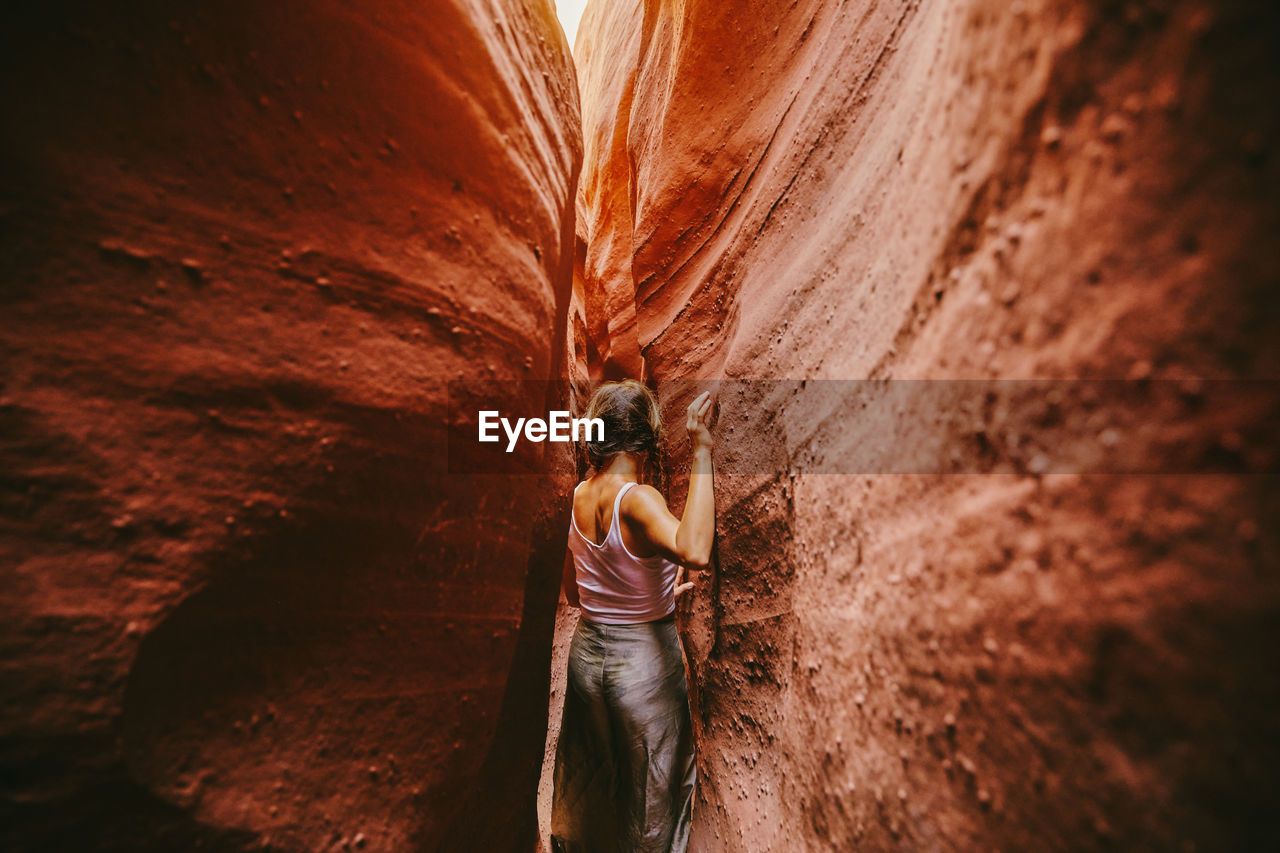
x=632, y=422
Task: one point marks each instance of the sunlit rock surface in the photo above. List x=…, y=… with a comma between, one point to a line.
x=245, y=247
x=963, y=190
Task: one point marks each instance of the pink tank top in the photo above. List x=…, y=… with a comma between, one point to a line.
x=616, y=587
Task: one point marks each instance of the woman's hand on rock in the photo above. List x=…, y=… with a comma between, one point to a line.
x=681, y=587
x=697, y=422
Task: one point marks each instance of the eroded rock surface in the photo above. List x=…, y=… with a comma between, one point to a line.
x=245, y=247
x=964, y=190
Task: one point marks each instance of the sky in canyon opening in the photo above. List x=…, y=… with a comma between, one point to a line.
x=570, y=12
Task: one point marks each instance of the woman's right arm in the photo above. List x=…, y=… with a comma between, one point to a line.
x=686, y=540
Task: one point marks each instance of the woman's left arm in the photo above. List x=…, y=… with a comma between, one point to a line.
x=570, y=580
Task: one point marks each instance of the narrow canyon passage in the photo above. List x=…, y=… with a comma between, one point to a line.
x=255, y=253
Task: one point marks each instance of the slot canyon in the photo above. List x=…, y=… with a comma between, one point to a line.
x=254, y=253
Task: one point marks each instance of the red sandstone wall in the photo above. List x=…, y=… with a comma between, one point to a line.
x=245, y=245
x=938, y=190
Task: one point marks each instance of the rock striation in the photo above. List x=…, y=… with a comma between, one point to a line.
x=1049, y=189
x=247, y=246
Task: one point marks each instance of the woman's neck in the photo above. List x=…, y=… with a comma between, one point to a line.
x=624, y=465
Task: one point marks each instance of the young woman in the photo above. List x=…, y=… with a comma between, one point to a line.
x=624, y=772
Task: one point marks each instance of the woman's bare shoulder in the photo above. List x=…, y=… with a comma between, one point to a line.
x=643, y=501
x=583, y=500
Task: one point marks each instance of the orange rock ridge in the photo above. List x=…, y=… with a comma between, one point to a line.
x=968, y=190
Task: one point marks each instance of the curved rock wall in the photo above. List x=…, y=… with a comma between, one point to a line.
x=959, y=190
x=246, y=245
x=605, y=191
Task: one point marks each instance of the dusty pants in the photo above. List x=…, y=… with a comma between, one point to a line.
x=624, y=772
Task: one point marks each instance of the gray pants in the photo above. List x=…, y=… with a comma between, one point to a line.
x=625, y=771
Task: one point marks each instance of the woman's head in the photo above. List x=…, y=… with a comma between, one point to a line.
x=632, y=421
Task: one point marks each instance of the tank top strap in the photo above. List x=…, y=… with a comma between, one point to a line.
x=614, y=524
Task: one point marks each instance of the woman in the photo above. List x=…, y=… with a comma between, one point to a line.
x=624, y=772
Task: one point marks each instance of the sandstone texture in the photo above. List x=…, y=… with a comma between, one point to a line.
x=245, y=248
x=958, y=190
x=605, y=193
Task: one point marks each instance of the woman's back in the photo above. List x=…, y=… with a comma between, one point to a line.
x=615, y=585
